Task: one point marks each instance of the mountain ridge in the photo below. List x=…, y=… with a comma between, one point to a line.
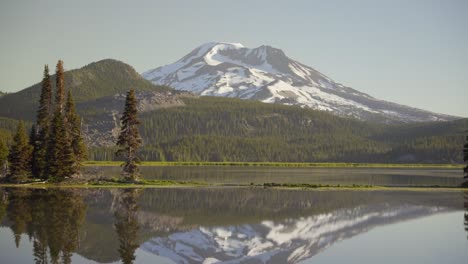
x=267, y=74
x=178, y=126
x=97, y=79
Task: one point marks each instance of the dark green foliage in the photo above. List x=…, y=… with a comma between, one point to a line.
x=98, y=79
x=33, y=141
x=74, y=131
x=102, y=153
x=129, y=140
x=59, y=153
x=19, y=158
x=7, y=130
x=59, y=87
x=65, y=146
x=3, y=158
x=40, y=152
x=223, y=129
x=59, y=157
x=45, y=102
x=44, y=114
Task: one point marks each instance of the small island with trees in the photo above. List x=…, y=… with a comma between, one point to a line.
x=54, y=150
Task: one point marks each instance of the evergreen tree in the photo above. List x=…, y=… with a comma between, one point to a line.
x=60, y=86
x=3, y=158
x=74, y=131
x=44, y=114
x=59, y=153
x=129, y=138
x=20, y=156
x=60, y=158
x=33, y=136
x=45, y=101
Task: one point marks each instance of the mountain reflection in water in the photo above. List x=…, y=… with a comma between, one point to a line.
x=203, y=225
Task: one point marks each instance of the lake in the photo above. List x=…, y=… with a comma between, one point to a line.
x=260, y=175
x=232, y=225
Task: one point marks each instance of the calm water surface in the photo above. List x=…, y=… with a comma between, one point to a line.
x=260, y=175
x=232, y=225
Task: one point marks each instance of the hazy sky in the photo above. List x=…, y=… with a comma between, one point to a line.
x=406, y=51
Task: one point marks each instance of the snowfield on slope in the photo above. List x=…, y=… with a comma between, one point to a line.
x=266, y=74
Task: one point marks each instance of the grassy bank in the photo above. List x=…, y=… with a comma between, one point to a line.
x=281, y=164
x=108, y=183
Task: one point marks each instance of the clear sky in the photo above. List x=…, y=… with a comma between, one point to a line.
x=413, y=52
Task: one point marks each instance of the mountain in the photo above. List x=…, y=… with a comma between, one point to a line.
x=268, y=75
x=2, y=93
x=181, y=126
x=93, y=81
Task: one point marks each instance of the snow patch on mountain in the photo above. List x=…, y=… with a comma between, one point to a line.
x=266, y=74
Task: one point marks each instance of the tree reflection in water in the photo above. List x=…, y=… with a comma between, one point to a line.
x=108, y=225
x=51, y=219
x=126, y=223
x=466, y=211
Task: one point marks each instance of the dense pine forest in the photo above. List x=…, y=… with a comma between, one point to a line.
x=223, y=129
x=219, y=129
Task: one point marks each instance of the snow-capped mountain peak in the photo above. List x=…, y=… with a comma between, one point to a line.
x=287, y=241
x=267, y=74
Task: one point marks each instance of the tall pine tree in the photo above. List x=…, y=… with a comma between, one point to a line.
x=59, y=154
x=60, y=86
x=74, y=131
x=20, y=156
x=60, y=158
x=129, y=140
x=44, y=114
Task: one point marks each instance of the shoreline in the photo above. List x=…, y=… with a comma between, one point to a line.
x=277, y=164
x=181, y=185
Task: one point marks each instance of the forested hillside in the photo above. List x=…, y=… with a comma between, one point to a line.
x=7, y=127
x=223, y=129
